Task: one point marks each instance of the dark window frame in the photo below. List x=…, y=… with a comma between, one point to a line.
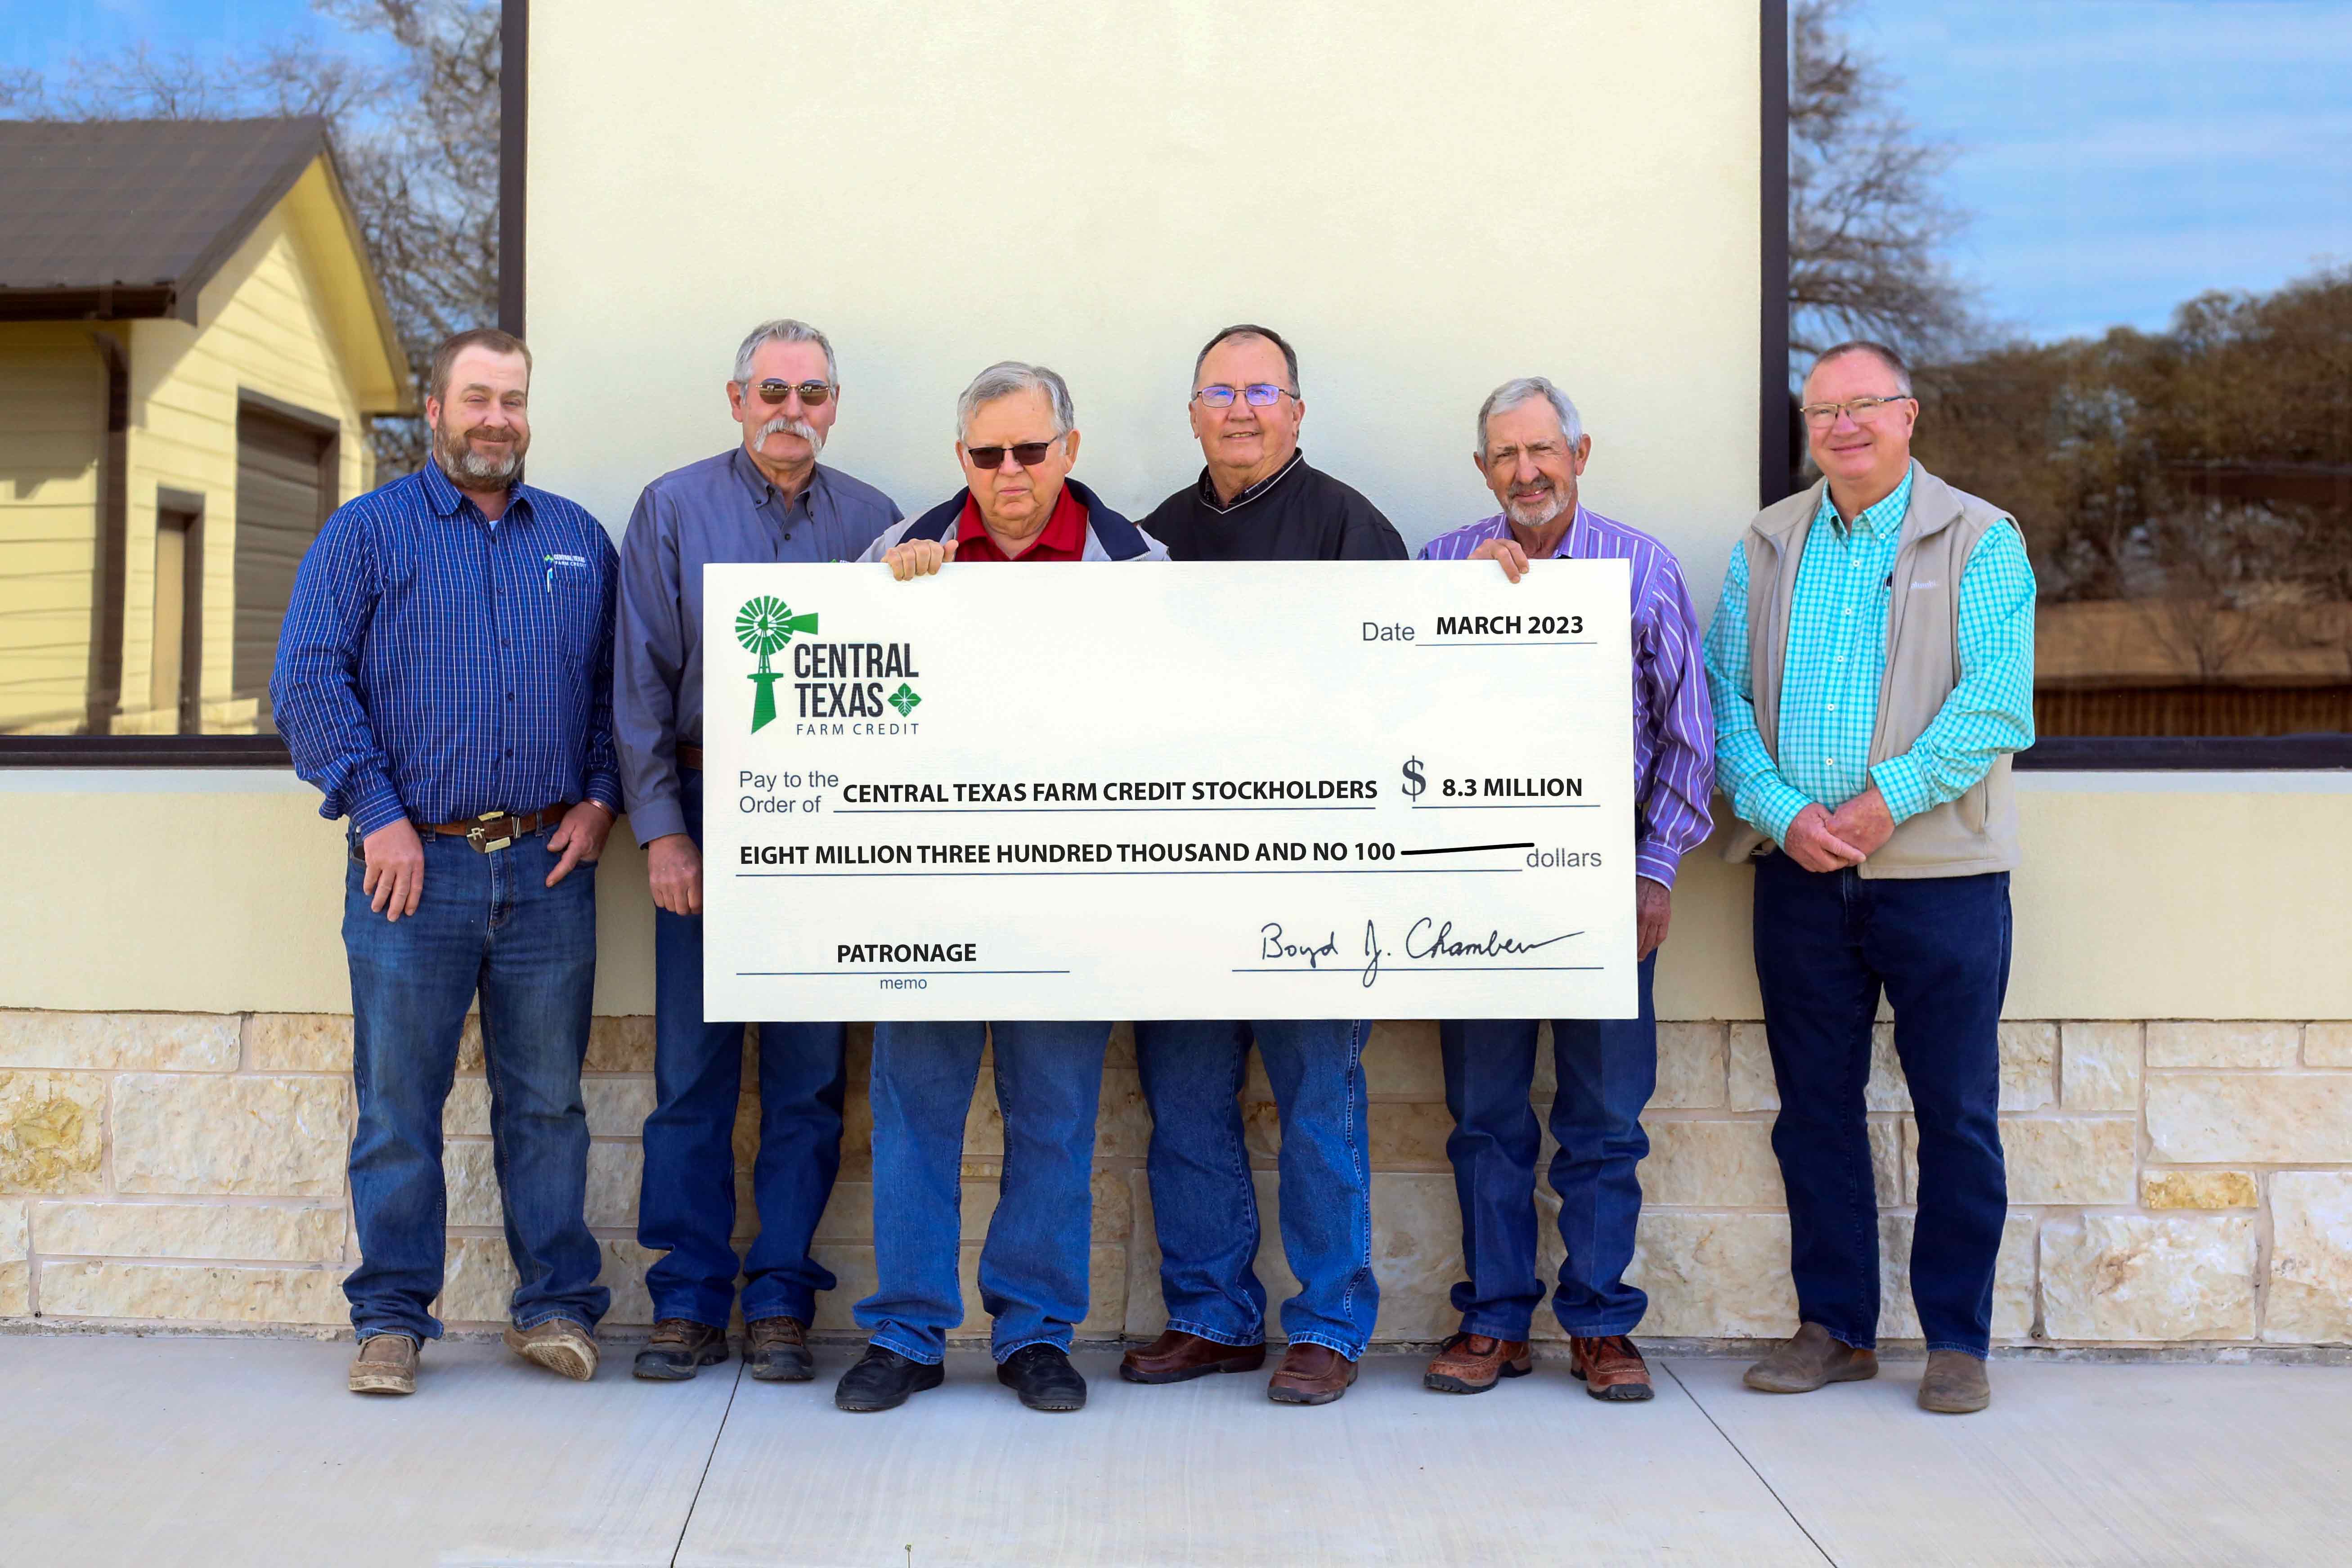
x=1775, y=434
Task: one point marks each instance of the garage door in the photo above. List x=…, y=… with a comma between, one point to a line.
x=284, y=491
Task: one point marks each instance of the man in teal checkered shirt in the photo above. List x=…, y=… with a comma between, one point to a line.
x=1872, y=668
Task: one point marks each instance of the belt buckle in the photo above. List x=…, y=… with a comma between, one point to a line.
x=478, y=836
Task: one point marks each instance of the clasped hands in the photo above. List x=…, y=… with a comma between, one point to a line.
x=1821, y=840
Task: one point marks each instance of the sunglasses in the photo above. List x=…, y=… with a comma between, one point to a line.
x=812, y=392
x=1028, y=454
x=1257, y=393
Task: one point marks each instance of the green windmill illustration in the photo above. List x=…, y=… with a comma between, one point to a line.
x=763, y=625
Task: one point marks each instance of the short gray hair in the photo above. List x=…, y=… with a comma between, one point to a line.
x=1877, y=350
x=1525, y=389
x=782, y=329
x=1008, y=378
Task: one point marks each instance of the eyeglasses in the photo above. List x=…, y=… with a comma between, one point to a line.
x=1257, y=393
x=812, y=392
x=1862, y=410
x=1028, y=454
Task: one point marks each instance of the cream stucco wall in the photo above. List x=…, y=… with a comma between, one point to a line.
x=1428, y=199
x=2208, y=897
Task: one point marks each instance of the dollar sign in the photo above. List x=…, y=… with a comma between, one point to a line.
x=1413, y=783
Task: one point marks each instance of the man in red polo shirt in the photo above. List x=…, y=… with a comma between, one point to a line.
x=1018, y=441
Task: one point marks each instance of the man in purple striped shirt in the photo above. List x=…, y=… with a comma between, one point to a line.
x=1532, y=448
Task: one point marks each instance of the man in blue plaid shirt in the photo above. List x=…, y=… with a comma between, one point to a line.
x=1871, y=666
x=444, y=677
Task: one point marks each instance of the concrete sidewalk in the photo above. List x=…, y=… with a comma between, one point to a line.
x=164, y=1452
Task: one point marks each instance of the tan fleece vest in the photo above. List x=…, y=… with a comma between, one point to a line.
x=1974, y=833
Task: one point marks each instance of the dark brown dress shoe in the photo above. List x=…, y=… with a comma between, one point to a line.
x=1179, y=1357
x=1955, y=1384
x=1808, y=1361
x=1311, y=1375
x=1610, y=1367
x=1472, y=1363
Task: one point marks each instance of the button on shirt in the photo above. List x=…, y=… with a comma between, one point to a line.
x=1836, y=661
x=436, y=664
x=1674, y=724
x=722, y=511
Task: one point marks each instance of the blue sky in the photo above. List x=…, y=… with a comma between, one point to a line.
x=2118, y=155
x=2122, y=156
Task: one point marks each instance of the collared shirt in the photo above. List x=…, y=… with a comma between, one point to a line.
x=722, y=510
x=436, y=664
x=1297, y=513
x=1064, y=537
x=1673, y=722
x=1836, y=661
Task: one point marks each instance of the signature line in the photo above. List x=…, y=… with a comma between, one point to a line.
x=1419, y=968
x=1468, y=849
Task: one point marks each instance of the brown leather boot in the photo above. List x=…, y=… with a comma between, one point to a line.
x=1610, y=1367
x=1472, y=1363
x=1955, y=1384
x=386, y=1365
x=1179, y=1357
x=1311, y=1375
x=778, y=1350
x=1808, y=1361
x=559, y=1345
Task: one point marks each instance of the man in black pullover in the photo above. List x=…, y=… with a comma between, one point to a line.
x=1259, y=500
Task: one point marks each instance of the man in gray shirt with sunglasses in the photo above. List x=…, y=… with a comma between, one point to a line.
x=765, y=499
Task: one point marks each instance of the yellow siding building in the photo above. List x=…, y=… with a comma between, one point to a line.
x=191, y=340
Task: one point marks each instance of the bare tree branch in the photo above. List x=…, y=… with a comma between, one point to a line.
x=1866, y=219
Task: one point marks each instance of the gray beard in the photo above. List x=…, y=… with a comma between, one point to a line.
x=1536, y=516
x=464, y=466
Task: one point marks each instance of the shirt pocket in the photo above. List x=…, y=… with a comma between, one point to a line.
x=573, y=587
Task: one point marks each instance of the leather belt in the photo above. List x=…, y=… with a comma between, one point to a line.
x=689, y=757
x=497, y=829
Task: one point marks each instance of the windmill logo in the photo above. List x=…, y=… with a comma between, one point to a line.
x=763, y=625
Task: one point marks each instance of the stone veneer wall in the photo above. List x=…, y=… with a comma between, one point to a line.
x=2170, y=1182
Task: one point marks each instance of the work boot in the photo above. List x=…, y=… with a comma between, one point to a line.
x=680, y=1348
x=883, y=1380
x=563, y=1347
x=1311, y=1375
x=1179, y=1357
x=1043, y=1378
x=1610, y=1367
x=1808, y=1361
x=1472, y=1363
x=386, y=1365
x=1955, y=1384
x=779, y=1351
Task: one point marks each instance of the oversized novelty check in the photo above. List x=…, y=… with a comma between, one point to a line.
x=1140, y=790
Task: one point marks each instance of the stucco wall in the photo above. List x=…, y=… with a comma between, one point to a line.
x=174, y=1099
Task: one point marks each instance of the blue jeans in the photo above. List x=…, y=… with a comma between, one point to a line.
x=1606, y=1069
x=1033, y=1269
x=686, y=1205
x=1205, y=1206
x=1826, y=942
x=487, y=925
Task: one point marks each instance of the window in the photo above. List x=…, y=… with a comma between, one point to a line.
x=2115, y=241
x=190, y=380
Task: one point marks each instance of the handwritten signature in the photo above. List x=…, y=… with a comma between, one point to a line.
x=1426, y=938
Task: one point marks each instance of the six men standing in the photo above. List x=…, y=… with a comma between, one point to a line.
x=460, y=646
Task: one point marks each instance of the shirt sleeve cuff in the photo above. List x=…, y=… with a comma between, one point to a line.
x=1904, y=784
x=377, y=805
x=1782, y=806
x=652, y=819
x=1655, y=863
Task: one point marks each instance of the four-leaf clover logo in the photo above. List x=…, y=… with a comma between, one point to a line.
x=904, y=699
